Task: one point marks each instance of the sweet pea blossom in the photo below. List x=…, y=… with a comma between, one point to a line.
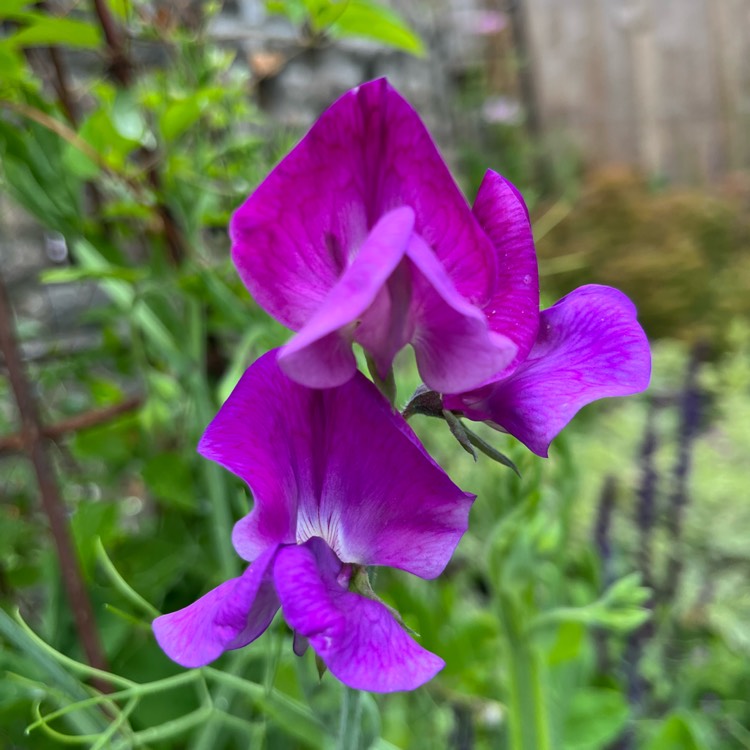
x=361, y=235
x=339, y=482
x=587, y=346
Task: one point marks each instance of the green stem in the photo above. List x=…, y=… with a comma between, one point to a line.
x=350, y=723
x=120, y=583
x=214, y=479
x=112, y=729
x=66, y=661
x=294, y=717
x=387, y=385
x=528, y=708
x=137, y=692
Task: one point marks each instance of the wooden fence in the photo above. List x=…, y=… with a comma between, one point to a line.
x=661, y=84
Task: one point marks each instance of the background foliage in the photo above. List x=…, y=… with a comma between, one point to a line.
x=599, y=601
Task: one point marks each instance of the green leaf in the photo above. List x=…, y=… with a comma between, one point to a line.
x=99, y=130
x=675, y=734
x=490, y=451
x=362, y=18
x=77, y=163
x=324, y=13
x=179, y=116
x=620, y=608
x=123, y=296
x=92, y=520
x=32, y=167
x=568, y=643
x=68, y=275
x=458, y=430
x=595, y=717
x=43, y=30
x=11, y=63
x=294, y=10
x=169, y=478
x=12, y=8
x=127, y=118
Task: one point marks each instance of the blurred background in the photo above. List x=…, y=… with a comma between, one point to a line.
x=599, y=601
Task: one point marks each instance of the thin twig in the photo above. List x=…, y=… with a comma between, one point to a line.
x=121, y=66
x=93, y=418
x=59, y=128
x=49, y=491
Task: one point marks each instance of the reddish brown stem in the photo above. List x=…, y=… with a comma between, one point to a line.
x=52, y=502
x=122, y=68
x=16, y=443
x=121, y=65
x=62, y=88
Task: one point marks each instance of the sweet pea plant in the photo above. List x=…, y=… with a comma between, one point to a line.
x=361, y=236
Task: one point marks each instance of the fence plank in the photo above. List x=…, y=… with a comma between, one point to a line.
x=660, y=84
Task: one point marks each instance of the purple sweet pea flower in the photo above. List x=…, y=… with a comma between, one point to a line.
x=587, y=346
x=361, y=235
x=340, y=482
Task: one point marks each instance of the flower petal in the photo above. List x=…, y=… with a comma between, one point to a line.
x=320, y=355
x=250, y=436
x=388, y=325
x=589, y=346
x=382, y=500
x=366, y=155
x=453, y=344
x=227, y=617
x=358, y=638
x=514, y=308
x=336, y=463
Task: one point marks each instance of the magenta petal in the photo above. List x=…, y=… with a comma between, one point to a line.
x=589, y=346
x=320, y=355
x=514, y=307
x=388, y=324
x=340, y=464
x=228, y=617
x=250, y=437
x=323, y=362
x=366, y=155
x=381, y=500
x=453, y=344
x=357, y=638
x=405, y=168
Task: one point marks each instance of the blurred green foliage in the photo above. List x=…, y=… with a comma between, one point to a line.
x=533, y=619
x=346, y=18
x=682, y=254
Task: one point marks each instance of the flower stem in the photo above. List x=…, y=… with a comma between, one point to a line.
x=350, y=723
x=528, y=708
x=387, y=385
x=214, y=479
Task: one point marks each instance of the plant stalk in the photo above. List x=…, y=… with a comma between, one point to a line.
x=350, y=723
x=528, y=706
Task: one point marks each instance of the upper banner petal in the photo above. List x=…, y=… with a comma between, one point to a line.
x=366, y=155
x=320, y=355
x=513, y=309
x=227, y=617
x=589, y=346
x=358, y=638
